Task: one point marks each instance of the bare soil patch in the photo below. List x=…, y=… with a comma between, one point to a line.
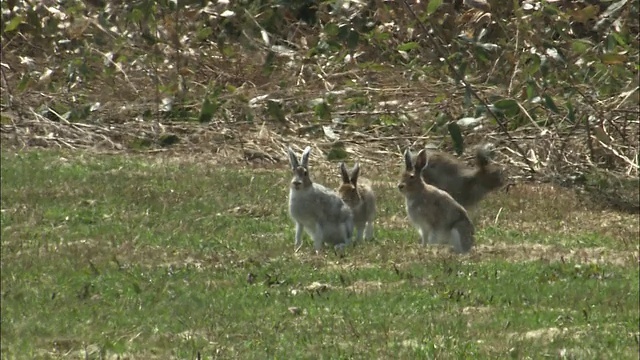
x=551, y=208
x=547, y=253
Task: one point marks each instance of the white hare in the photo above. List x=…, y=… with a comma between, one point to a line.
x=437, y=216
x=358, y=194
x=316, y=209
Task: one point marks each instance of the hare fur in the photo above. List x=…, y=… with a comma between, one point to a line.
x=438, y=218
x=465, y=184
x=315, y=209
x=357, y=192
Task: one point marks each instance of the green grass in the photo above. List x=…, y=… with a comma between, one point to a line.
x=159, y=258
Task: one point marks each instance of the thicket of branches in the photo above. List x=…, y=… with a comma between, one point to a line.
x=553, y=83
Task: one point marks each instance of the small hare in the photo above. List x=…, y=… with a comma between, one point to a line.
x=437, y=216
x=316, y=209
x=356, y=192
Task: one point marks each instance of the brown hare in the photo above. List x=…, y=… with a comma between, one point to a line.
x=358, y=194
x=466, y=185
x=437, y=216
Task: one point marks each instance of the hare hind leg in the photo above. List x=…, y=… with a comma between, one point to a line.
x=318, y=237
x=454, y=241
x=359, y=232
x=299, y=232
x=440, y=237
x=368, y=230
x=427, y=235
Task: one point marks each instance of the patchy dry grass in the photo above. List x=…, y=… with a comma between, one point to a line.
x=147, y=258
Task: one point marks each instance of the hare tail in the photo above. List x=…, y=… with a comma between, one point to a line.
x=483, y=156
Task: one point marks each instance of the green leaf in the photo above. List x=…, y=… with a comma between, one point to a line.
x=323, y=111
x=481, y=54
x=544, y=69
x=619, y=38
x=388, y=120
x=337, y=152
x=343, y=32
x=585, y=14
x=136, y=288
x=168, y=139
x=433, y=6
x=207, y=110
x=531, y=90
x=381, y=36
x=507, y=106
x=533, y=64
x=581, y=46
x=613, y=59
x=408, y=46
x=442, y=118
x=456, y=136
x=25, y=82
x=13, y=24
x=137, y=15
x=462, y=68
x=468, y=99
x=269, y=64
x=204, y=33
x=548, y=101
x=228, y=51
x=612, y=43
x=274, y=108
x=353, y=39
x=572, y=114
x=331, y=29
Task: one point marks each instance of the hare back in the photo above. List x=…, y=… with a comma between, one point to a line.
x=445, y=163
x=317, y=203
x=465, y=187
x=433, y=207
x=443, y=169
x=367, y=207
x=364, y=212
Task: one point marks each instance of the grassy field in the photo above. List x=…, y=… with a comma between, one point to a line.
x=156, y=257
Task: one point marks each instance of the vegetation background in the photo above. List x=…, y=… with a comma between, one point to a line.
x=552, y=84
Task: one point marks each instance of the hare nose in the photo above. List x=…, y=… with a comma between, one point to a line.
x=297, y=182
x=400, y=186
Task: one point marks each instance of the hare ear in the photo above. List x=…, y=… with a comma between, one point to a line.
x=305, y=156
x=344, y=173
x=293, y=159
x=408, y=163
x=421, y=161
x=354, y=174
x=483, y=155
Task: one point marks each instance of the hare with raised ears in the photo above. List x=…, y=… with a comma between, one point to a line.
x=316, y=209
x=358, y=194
x=466, y=185
x=437, y=216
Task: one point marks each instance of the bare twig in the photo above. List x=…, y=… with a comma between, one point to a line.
x=467, y=86
x=117, y=66
x=588, y=135
x=515, y=68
